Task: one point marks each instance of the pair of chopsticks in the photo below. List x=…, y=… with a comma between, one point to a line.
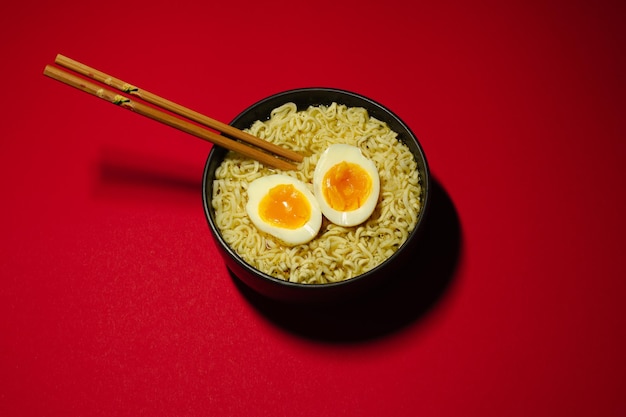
x=265, y=152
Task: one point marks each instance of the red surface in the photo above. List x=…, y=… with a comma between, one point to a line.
x=114, y=302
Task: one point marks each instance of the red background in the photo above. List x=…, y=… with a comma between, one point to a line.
x=113, y=301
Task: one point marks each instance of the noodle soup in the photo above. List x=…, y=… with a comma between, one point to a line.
x=337, y=253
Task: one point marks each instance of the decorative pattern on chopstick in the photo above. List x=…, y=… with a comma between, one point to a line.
x=165, y=118
x=175, y=108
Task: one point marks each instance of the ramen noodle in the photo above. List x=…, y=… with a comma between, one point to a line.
x=337, y=253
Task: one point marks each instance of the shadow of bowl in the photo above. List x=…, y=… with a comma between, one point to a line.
x=404, y=299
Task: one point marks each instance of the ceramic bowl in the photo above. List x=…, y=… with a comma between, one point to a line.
x=278, y=289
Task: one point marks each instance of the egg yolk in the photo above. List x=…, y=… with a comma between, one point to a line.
x=284, y=206
x=346, y=186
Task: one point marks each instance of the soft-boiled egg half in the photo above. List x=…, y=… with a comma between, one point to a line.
x=285, y=208
x=346, y=185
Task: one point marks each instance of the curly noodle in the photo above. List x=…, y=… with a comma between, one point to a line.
x=337, y=253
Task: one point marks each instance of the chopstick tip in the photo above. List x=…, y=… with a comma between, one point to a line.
x=47, y=69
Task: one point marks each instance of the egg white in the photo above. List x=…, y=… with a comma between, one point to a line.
x=332, y=156
x=259, y=188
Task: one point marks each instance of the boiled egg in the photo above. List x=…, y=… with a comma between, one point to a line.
x=285, y=208
x=346, y=185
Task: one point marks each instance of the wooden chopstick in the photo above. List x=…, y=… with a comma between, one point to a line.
x=174, y=107
x=165, y=118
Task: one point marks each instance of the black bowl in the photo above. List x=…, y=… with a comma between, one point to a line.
x=279, y=289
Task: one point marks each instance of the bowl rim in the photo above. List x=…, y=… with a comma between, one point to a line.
x=425, y=185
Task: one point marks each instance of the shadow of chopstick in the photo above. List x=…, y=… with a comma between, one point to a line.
x=122, y=173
